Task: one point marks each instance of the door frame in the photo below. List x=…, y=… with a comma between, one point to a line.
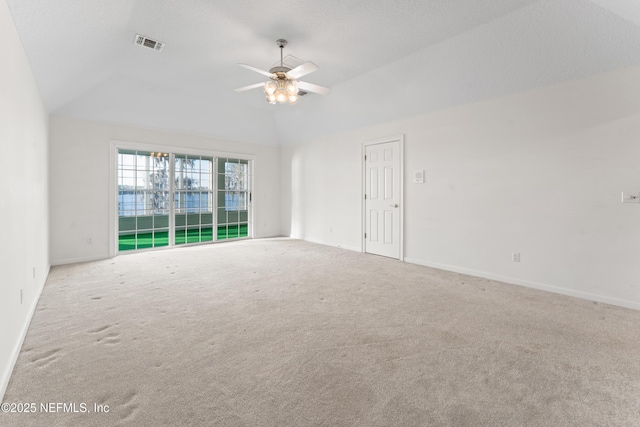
x=393, y=138
x=115, y=145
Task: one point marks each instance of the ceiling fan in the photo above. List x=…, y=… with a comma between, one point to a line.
x=283, y=85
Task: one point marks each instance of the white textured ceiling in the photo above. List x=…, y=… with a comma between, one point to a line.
x=383, y=59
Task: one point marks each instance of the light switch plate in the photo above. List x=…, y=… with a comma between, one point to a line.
x=418, y=176
x=629, y=197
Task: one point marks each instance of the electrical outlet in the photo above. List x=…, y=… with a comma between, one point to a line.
x=515, y=256
x=89, y=240
x=628, y=197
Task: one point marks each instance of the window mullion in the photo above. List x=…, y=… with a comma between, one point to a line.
x=172, y=200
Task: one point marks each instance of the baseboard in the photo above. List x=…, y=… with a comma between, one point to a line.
x=77, y=260
x=6, y=374
x=534, y=285
x=334, y=245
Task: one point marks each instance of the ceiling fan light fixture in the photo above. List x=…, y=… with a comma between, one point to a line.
x=292, y=87
x=281, y=96
x=281, y=91
x=270, y=87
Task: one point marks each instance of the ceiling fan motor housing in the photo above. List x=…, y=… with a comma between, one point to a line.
x=280, y=71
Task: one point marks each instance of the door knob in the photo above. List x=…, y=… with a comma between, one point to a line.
x=394, y=206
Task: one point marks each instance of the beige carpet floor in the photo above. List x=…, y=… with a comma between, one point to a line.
x=281, y=332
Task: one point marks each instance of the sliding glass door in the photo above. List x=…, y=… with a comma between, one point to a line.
x=167, y=199
x=233, y=198
x=143, y=200
x=193, y=199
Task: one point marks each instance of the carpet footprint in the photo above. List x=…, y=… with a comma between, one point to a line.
x=129, y=406
x=100, y=329
x=46, y=358
x=111, y=338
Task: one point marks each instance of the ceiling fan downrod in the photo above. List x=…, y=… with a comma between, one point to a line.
x=281, y=44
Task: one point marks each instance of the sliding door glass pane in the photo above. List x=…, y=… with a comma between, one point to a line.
x=193, y=198
x=143, y=199
x=233, y=198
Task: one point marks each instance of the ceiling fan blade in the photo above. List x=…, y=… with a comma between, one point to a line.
x=257, y=70
x=310, y=87
x=255, y=86
x=302, y=70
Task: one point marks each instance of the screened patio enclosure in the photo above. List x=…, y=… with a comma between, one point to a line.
x=170, y=199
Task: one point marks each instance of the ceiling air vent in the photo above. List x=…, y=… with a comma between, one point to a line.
x=289, y=61
x=150, y=43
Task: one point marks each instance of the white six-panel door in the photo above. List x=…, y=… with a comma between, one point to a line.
x=382, y=210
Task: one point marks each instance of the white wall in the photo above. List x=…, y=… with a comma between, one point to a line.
x=539, y=173
x=80, y=173
x=505, y=56
x=23, y=195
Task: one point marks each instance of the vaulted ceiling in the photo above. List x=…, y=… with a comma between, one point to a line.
x=383, y=59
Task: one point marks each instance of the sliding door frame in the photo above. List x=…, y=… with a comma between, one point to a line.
x=115, y=145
